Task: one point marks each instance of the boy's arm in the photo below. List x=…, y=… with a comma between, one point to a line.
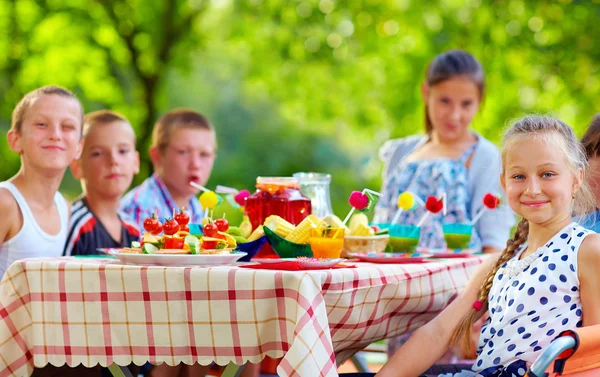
x=12, y=215
x=431, y=341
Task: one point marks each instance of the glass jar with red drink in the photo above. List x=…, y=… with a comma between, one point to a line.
x=277, y=196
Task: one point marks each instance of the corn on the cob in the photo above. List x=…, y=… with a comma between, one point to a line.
x=363, y=230
x=279, y=226
x=317, y=221
x=301, y=233
x=258, y=232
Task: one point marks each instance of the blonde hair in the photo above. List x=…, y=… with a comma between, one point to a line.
x=101, y=117
x=28, y=99
x=561, y=136
x=173, y=120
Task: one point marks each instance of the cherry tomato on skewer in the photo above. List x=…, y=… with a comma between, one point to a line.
x=151, y=223
x=210, y=230
x=222, y=225
x=158, y=229
x=170, y=227
x=181, y=217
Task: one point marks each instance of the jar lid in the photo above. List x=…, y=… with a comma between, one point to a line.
x=281, y=182
x=312, y=178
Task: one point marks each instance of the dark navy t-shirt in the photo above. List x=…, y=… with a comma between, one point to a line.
x=86, y=232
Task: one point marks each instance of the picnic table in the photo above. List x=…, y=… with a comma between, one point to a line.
x=100, y=311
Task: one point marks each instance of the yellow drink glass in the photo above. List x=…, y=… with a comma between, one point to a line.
x=326, y=242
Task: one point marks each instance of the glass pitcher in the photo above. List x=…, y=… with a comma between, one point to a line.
x=316, y=187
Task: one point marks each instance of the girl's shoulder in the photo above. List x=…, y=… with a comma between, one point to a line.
x=395, y=149
x=589, y=251
x=486, y=147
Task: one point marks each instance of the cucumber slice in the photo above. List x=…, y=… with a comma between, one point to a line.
x=148, y=248
x=193, y=242
x=135, y=244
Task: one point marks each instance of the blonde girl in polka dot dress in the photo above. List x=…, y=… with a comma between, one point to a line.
x=544, y=282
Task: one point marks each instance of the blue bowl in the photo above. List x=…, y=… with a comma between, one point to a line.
x=251, y=248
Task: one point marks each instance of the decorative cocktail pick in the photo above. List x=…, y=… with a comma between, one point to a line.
x=236, y=197
x=361, y=202
x=241, y=197
x=433, y=205
x=490, y=201
x=406, y=201
x=208, y=199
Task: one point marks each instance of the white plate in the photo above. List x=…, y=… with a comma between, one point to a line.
x=302, y=262
x=179, y=259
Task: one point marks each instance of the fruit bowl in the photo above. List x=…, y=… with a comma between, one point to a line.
x=251, y=248
x=365, y=244
x=285, y=248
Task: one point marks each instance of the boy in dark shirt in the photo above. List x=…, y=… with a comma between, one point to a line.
x=106, y=168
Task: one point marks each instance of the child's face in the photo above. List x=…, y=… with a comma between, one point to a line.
x=451, y=105
x=538, y=182
x=188, y=157
x=50, y=137
x=109, y=160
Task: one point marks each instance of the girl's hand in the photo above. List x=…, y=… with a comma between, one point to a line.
x=490, y=250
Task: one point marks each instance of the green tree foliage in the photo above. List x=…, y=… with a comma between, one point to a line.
x=313, y=85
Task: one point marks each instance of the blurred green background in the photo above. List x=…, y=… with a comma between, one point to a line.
x=297, y=85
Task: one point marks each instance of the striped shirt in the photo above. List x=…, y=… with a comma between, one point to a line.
x=87, y=233
x=141, y=202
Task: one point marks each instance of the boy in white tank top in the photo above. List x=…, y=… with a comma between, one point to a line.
x=46, y=133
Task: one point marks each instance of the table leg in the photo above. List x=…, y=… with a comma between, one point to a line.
x=360, y=363
x=119, y=371
x=232, y=370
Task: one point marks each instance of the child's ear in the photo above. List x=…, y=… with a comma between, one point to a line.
x=577, y=181
x=76, y=169
x=503, y=182
x=79, y=150
x=425, y=91
x=154, y=154
x=13, y=137
x=136, y=166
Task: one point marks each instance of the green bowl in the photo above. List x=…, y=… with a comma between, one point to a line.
x=285, y=248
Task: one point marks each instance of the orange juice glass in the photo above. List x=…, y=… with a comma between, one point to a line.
x=326, y=242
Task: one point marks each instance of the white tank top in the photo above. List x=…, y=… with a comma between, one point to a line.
x=31, y=241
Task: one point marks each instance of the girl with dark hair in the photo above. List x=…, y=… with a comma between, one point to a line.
x=450, y=158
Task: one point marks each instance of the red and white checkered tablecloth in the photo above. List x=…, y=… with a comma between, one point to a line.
x=90, y=311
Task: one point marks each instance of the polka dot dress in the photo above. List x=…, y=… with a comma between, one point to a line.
x=530, y=303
